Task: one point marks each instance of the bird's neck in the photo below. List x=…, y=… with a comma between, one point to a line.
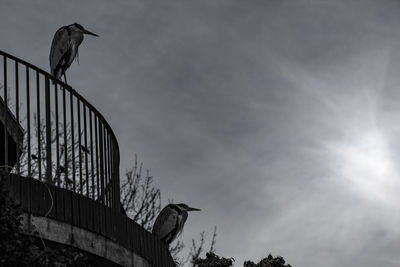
x=177, y=208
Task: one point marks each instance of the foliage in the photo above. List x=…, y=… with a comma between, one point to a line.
x=268, y=262
x=213, y=260
x=18, y=249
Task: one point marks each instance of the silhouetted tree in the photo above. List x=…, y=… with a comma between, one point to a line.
x=213, y=260
x=268, y=262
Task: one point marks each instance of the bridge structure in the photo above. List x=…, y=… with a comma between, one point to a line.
x=60, y=159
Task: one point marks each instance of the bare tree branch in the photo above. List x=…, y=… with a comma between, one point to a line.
x=140, y=199
x=196, y=250
x=213, y=240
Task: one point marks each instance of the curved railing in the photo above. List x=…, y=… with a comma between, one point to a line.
x=66, y=141
x=51, y=135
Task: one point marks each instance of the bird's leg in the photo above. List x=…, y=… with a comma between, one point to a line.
x=65, y=78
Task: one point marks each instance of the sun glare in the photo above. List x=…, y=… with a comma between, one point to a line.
x=366, y=165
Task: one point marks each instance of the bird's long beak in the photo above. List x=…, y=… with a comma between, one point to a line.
x=90, y=33
x=192, y=209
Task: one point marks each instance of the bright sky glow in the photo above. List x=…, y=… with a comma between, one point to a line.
x=365, y=163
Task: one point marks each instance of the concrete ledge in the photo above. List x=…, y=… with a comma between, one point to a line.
x=56, y=231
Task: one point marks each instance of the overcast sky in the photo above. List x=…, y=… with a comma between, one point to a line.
x=279, y=119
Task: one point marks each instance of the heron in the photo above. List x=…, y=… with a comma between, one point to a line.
x=64, y=48
x=169, y=223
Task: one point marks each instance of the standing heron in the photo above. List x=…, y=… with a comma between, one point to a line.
x=169, y=223
x=64, y=48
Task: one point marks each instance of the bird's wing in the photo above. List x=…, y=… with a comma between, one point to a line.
x=181, y=222
x=165, y=222
x=59, y=47
x=176, y=231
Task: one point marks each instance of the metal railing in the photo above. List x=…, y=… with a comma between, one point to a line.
x=65, y=140
x=52, y=135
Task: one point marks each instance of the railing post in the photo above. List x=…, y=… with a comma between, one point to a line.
x=48, y=131
x=17, y=114
x=5, y=116
x=38, y=128
x=28, y=120
x=102, y=191
x=115, y=177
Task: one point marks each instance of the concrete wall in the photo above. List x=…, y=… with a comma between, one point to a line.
x=56, y=231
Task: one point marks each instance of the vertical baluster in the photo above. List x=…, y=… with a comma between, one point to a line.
x=101, y=140
x=107, y=185
x=108, y=168
x=17, y=115
x=87, y=150
x=116, y=167
x=113, y=203
x=49, y=163
x=58, y=171
x=5, y=115
x=117, y=188
x=110, y=179
x=79, y=145
x=28, y=121
x=72, y=141
x=65, y=140
x=107, y=178
x=91, y=153
x=38, y=130
x=97, y=158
